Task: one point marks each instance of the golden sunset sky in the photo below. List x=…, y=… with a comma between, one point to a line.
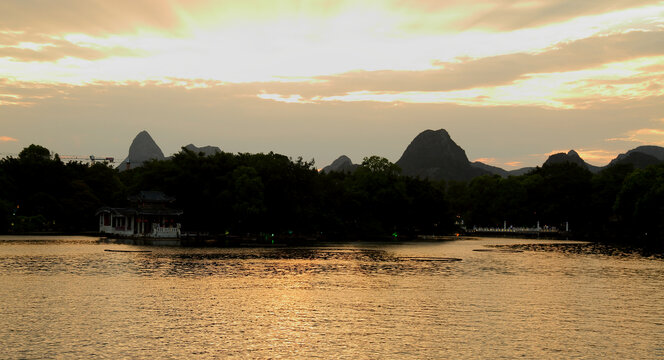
x=511, y=80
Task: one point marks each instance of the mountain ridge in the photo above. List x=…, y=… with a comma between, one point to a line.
x=432, y=154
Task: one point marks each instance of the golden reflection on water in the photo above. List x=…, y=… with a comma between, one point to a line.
x=70, y=299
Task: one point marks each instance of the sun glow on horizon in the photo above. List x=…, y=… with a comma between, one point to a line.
x=565, y=90
x=258, y=47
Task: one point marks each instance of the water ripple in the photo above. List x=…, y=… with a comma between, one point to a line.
x=72, y=299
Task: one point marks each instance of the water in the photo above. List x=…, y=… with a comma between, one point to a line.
x=65, y=297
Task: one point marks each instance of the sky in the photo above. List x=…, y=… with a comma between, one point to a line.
x=512, y=81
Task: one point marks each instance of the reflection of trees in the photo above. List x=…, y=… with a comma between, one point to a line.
x=283, y=262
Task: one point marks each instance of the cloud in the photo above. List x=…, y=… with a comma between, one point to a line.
x=7, y=139
x=27, y=94
x=643, y=136
x=552, y=152
x=27, y=46
x=173, y=17
x=293, y=99
x=486, y=160
x=615, y=84
x=15, y=38
x=100, y=17
x=94, y=17
x=236, y=120
x=352, y=47
x=591, y=72
x=504, y=69
x=61, y=49
x=309, y=77
x=597, y=156
x=508, y=15
x=514, y=163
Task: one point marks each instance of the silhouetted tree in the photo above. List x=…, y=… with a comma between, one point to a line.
x=640, y=203
x=272, y=193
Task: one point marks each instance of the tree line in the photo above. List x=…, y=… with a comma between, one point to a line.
x=250, y=194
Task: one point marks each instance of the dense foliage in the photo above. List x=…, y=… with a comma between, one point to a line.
x=38, y=193
x=269, y=193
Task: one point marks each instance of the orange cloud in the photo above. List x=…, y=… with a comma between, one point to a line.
x=508, y=15
x=552, y=152
x=7, y=139
x=263, y=125
x=97, y=17
x=486, y=160
x=598, y=156
x=514, y=163
x=595, y=156
x=643, y=136
x=55, y=49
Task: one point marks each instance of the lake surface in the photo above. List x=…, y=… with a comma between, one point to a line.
x=68, y=298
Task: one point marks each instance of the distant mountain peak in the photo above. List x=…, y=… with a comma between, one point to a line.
x=440, y=142
x=441, y=132
x=342, y=159
x=571, y=157
x=434, y=155
x=342, y=164
x=641, y=156
x=206, y=150
x=142, y=149
x=561, y=157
